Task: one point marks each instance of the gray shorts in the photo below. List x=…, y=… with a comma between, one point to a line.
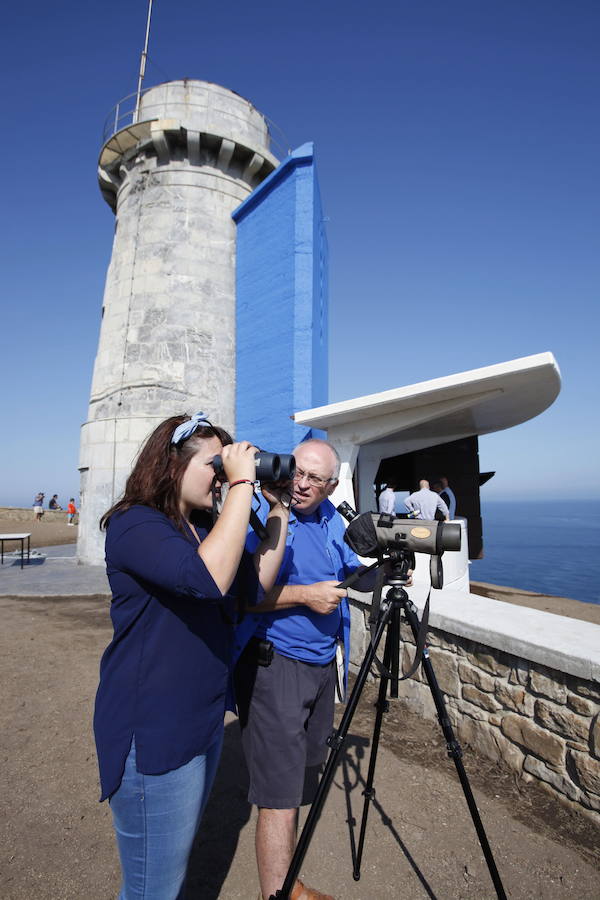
x=286, y=715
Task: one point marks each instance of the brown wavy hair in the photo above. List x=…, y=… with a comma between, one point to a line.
x=156, y=477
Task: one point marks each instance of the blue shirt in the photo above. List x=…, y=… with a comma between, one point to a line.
x=319, y=554
x=164, y=676
x=298, y=632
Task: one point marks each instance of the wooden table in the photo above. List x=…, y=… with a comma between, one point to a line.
x=15, y=537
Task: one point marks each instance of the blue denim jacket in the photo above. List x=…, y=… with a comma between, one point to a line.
x=344, y=562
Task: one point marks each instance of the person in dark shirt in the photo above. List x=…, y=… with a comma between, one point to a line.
x=447, y=495
x=175, y=579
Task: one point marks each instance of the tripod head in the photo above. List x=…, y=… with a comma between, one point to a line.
x=402, y=561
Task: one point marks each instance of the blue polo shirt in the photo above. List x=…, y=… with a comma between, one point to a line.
x=315, y=551
x=298, y=632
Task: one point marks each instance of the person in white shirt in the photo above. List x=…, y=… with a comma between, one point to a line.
x=387, y=500
x=424, y=503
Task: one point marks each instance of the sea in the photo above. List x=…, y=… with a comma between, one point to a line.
x=550, y=547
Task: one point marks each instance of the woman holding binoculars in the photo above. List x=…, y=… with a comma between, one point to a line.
x=175, y=577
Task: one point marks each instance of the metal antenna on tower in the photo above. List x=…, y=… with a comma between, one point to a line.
x=142, y=64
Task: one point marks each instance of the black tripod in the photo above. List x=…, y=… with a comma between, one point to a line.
x=388, y=615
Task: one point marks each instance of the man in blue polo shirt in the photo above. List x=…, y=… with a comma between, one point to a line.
x=286, y=707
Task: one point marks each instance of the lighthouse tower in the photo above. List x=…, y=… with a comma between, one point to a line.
x=173, y=172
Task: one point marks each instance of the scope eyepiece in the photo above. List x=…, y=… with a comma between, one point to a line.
x=346, y=511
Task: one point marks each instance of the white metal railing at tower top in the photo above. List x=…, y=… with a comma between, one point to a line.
x=126, y=113
x=120, y=116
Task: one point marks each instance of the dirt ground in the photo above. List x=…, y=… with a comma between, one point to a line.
x=43, y=534
x=560, y=606
x=56, y=840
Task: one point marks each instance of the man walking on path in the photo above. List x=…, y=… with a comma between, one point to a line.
x=424, y=503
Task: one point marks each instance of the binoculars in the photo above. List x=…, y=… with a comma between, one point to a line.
x=270, y=467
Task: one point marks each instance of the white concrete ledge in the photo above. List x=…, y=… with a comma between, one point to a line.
x=558, y=642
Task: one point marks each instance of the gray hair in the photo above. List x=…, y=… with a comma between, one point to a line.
x=323, y=443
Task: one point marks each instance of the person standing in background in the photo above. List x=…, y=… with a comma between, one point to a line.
x=448, y=497
x=38, y=506
x=71, y=511
x=425, y=502
x=387, y=500
x=437, y=487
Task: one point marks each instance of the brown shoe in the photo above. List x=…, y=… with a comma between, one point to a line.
x=299, y=892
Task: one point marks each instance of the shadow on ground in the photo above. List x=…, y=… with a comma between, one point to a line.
x=30, y=563
x=355, y=785
x=228, y=812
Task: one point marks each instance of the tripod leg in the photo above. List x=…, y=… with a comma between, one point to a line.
x=336, y=742
x=392, y=643
x=455, y=751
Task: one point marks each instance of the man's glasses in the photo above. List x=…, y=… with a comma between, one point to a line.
x=313, y=480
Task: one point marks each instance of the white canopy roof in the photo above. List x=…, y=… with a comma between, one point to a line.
x=480, y=401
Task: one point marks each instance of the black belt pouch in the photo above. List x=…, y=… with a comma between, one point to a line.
x=258, y=652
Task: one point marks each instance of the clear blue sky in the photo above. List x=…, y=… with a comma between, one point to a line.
x=458, y=147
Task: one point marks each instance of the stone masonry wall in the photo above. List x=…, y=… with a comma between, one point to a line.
x=542, y=723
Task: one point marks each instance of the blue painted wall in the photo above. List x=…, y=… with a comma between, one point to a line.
x=282, y=305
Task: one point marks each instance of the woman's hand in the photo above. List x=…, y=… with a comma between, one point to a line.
x=239, y=461
x=269, y=553
x=221, y=550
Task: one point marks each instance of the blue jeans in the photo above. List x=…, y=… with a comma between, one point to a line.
x=156, y=818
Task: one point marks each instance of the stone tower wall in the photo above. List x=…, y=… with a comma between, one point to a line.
x=167, y=338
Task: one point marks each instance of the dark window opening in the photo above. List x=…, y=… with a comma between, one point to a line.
x=458, y=461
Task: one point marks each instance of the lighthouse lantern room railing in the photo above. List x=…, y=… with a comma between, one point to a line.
x=127, y=112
